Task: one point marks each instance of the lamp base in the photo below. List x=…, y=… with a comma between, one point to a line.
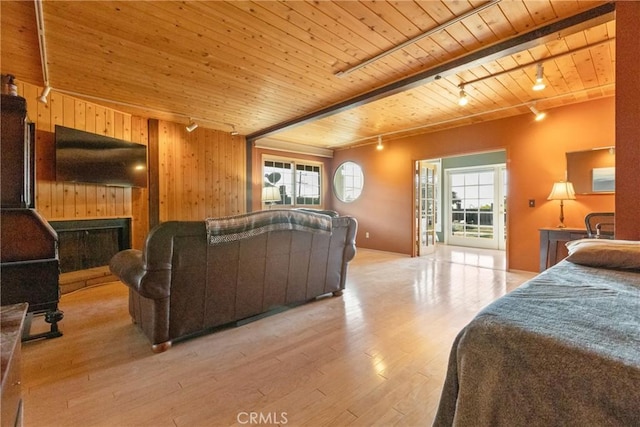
x=561, y=225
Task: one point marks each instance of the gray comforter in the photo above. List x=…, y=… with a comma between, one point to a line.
x=561, y=350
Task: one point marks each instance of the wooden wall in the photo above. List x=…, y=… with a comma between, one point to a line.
x=68, y=201
x=200, y=174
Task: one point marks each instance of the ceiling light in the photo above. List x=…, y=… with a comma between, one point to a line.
x=539, y=115
x=539, y=85
x=463, y=100
x=191, y=126
x=379, y=146
x=43, y=96
x=234, y=132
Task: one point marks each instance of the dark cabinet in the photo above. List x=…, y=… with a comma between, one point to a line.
x=29, y=266
x=17, y=155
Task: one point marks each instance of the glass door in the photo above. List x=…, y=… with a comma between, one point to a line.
x=476, y=205
x=425, y=207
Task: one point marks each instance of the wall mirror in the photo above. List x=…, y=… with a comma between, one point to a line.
x=348, y=181
x=592, y=171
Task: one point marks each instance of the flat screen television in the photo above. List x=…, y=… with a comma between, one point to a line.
x=97, y=159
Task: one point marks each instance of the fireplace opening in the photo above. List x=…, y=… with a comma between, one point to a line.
x=85, y=244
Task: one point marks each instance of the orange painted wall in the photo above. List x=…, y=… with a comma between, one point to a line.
x=627, y=115
x=535, y=160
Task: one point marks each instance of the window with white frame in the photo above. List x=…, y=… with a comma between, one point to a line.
x=348, y=182
x=291, y=182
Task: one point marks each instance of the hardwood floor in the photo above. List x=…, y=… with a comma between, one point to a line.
x=376, y=355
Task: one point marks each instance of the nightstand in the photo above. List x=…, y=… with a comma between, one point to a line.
x=552, y=244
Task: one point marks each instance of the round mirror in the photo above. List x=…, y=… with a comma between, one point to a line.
x=348, y=181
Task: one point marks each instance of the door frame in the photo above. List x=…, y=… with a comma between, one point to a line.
x=418, y=248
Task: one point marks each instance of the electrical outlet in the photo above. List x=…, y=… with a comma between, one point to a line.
x=366, y=235
x=532, y=203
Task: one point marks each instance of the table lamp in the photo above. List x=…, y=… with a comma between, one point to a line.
x=562, y=191
x=270, y=195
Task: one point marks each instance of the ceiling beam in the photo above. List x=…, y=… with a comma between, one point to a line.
x=561, y=28
x=419, y=37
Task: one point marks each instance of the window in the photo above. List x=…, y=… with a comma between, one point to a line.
x=308, y=182
x=291, y=183
x=348, y=181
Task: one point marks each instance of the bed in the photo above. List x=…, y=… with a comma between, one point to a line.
x=562, y=349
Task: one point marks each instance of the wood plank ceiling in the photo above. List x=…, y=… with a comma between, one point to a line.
x=254, y=65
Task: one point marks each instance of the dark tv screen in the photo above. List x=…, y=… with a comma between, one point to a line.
x=97, y=159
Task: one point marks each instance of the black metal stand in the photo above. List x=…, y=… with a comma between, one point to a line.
x=50, y=316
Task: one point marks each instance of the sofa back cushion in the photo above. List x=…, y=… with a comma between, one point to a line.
x=211, y=285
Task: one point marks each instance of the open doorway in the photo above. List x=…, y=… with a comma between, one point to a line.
x=461, y=201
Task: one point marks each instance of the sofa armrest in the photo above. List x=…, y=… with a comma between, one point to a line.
x=350, y=238
x=129, y=267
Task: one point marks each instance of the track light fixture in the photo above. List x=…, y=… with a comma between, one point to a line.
x=379, y=146
x=191, y=126
x=539, y=115
x=463, y=100
x=43, y=96
x=539, y=85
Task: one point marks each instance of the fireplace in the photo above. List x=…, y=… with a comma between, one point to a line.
x=85, y=244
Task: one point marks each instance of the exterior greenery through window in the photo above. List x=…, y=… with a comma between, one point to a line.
x=298, y=183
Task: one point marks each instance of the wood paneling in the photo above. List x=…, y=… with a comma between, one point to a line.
x=201, y=174
x=139, y=196
x=256, y=64
x=65, y=201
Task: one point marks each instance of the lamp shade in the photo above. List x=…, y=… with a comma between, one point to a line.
x=562, y=191
x=270, y=194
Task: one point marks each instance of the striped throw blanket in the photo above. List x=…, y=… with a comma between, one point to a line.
x=232, y=228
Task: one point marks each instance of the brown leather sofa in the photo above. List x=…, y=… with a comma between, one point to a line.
x=183, y=283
